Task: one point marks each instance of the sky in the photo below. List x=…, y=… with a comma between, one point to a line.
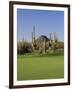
x=45, y=22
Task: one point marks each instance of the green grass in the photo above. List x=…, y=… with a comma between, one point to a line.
x=34, y=67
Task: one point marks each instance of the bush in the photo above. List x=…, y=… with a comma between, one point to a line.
x=24, y=47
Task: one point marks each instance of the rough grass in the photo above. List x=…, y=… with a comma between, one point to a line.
x=35, y=67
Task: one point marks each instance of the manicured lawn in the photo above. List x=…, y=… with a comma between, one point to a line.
x=42, y=67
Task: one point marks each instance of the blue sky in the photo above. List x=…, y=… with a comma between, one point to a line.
x=45, y=22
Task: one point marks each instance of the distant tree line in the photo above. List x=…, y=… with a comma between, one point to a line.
x=24, y=47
